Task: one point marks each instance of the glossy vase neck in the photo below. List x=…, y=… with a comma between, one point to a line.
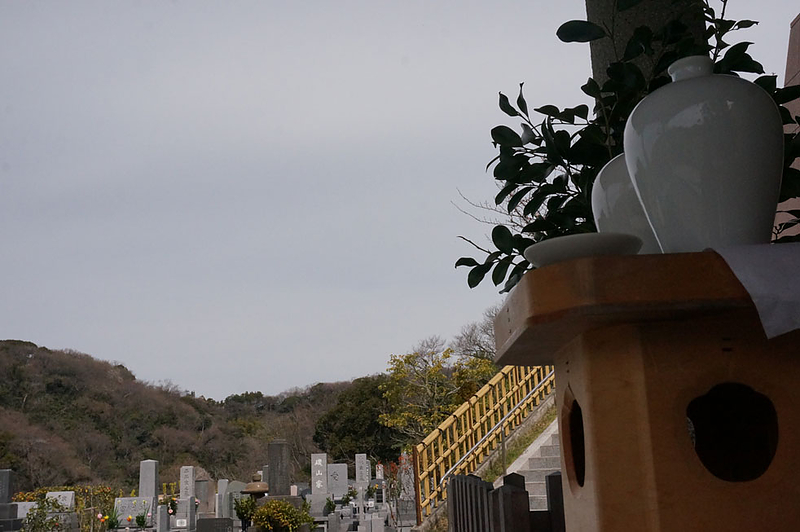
x=691, y=67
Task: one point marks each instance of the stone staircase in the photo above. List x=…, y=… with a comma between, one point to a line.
x=538, y=467
x=541, y=458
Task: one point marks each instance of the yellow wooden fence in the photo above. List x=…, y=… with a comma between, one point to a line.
x=475, y=429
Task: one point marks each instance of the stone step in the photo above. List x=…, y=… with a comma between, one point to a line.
x=538, y=488
x=544, y=462
x=537, y=475
x=550, y=450
x=537, y=502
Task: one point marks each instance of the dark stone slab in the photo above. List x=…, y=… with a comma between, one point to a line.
x=6, y=485
x=555, y=502
x=8, y=511
x=10, y=525
x=215, y=524
x=278, y=454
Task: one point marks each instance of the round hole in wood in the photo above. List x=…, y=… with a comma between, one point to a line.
x=735, y=431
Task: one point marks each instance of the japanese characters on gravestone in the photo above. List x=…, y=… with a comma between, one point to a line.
x=148, y=478
x=205, y=497
x=379, y=471
x=187, y=482
x=278, y=454
x=337, y=480
x=319, y=473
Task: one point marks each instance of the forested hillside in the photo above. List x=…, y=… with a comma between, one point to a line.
x=67, y=418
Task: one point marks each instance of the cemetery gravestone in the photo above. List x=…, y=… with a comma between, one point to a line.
x=278, y=453
x=220, y=508
x=185, y=515
x=234, y=491
x=362, y=469
x=379, y=471
x=130, y=507
x=64, y=498
x=319, y=473
x=148, y=478
x=202, y=490
x=162, y=518
x=187, y=482
x=215, y=525
x=9, y=516
x=6, y=485
x=337, y=480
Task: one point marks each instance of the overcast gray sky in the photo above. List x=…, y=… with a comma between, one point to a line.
x=252, y=195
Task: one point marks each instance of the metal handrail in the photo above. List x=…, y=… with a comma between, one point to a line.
x=490, y=432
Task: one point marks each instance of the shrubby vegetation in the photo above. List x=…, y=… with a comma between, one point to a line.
x=67, y=418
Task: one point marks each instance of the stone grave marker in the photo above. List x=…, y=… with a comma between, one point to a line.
x=377, y=523
x=23, y=508
x=220, y=508
x=363, y=469
x=319, y=483
x=379, y=471
x=234, y=491
x=337, y=480
x=204, y=495
x=6, y=485
x=10, y=520
x=148, y=478
x=64, y=498
x=133, y=506
x=221, y=524
x=162, y=518
x=187, y=482
x=278, y=453
x=185, y=515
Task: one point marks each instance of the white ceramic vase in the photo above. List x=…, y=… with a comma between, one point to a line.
x=616, y=207
x=705, y=154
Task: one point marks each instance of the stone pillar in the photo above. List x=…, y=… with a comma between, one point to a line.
x=652, y=13
x=6, y=485
x=162, y=518
x=278, y=454
x=187, y=482
x=148, y=478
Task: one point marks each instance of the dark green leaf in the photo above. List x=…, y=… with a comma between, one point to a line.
x=505, y=136
x=528, y=135
x=500, y=270
x=515, y=276
x=786, y=116
x=623, y=5
x=591, y=88
x=539, y=225
x=581, y=110
x=768, y=83
x=788, y=238
x=506, y=107
x=522, y=243
x=508, y=168
x=477, y=274
x=580, y=31
x=536, y=172
x=466, y=261
x=787, y=94
x=517, y=197
x=521, y=103
x=503, y=239
x=549, y=110
x=742, y=24
x=503, y=194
